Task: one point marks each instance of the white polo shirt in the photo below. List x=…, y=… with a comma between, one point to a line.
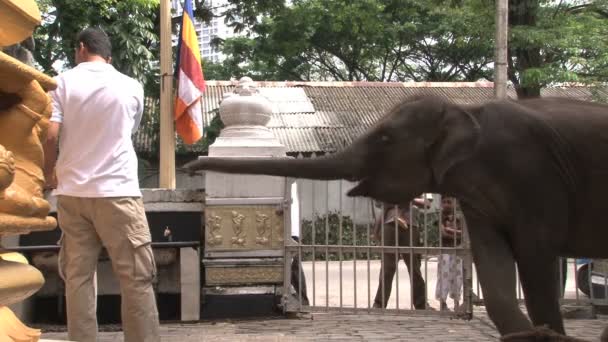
x=98, y=108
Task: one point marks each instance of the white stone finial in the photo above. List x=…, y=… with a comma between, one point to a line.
x=246, y=87
x=245, y=106
x=245, y=80
x=245, y=113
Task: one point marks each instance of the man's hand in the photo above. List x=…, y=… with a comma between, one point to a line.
x=420, y=202
x=50, y=181
x=402, y=223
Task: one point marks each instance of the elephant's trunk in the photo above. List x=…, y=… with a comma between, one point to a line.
x=338, y=166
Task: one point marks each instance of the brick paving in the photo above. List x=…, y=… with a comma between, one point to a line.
x=333, y=326
x=346, y=327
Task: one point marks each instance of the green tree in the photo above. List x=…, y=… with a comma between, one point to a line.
x=373, y=40
x=130, y=24
x=557, y=41
x=133, y=27
x=422, y=40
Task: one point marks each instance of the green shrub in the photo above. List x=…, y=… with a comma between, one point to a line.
x=327, y=232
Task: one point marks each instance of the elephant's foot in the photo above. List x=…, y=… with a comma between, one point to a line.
x=604, y=337
x=12, y=329
x=539, y=334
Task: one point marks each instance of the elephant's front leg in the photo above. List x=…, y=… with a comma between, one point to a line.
x=495, y=266
x=539, y=274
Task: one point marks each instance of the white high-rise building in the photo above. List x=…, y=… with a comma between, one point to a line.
x=206, y=32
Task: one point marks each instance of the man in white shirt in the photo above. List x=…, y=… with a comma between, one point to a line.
x=95, y=110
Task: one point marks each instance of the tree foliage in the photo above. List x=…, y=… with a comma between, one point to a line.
x=557, y=41
x=130, y=24
x=396, y=40
x=550, y=41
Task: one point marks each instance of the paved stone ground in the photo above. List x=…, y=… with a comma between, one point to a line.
x=345, y=327
x=351, y=327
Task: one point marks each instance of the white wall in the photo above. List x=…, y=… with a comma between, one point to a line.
x=315, y=197
x=329, y=196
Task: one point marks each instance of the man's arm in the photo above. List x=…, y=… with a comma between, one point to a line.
x=139, y=98
x=52, y=135
x=50, y=154
x=421, y=203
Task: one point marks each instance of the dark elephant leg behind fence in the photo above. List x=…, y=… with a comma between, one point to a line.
x=419, y=288
x=389, y=266
x=563, y=274
x=387, y=273
x=418, y=284
x=297, y=277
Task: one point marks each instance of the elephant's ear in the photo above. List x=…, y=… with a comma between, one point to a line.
x=458, y=139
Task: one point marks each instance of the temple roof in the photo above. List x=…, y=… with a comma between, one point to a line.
x=323, y=117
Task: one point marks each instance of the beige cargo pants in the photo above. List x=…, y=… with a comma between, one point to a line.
x=119, y=224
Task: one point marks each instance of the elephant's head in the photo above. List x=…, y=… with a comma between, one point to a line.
x=408, y=152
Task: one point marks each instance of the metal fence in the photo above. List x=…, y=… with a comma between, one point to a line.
x=575, y=279
x=342, y=263
x=348, y=265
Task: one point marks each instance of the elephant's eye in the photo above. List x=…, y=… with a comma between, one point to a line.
x=385, y=138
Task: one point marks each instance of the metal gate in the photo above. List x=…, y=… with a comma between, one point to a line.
x=339, y=262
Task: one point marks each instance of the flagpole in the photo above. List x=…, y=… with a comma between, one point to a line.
x=167, y=131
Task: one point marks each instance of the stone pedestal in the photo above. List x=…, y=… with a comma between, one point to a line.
x=244, y=219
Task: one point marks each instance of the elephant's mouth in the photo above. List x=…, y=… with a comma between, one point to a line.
x=361, y=189
x=352, y=178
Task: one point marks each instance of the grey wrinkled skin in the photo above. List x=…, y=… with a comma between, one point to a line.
x=531, y=177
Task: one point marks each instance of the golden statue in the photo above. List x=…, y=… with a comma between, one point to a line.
x=25, y=109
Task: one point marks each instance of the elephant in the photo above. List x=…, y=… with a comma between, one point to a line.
x=531, y=177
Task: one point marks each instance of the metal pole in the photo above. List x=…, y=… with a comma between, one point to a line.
x=340, y=242
x=500, y=50
x=355, y=250
x=314, y=242
x=167, y=132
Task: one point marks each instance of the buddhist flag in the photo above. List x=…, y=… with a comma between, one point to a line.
x=190, y=81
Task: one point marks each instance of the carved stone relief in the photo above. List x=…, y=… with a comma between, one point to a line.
x=263, y=229
x=246, y=227
x=214, y=224
x=243, y=275
x=240, y=237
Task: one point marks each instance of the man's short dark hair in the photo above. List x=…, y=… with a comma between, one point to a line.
x=96, y=41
